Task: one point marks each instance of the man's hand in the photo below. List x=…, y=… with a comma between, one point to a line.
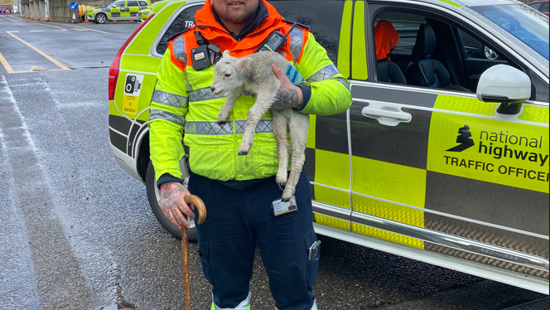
x=289, y=95
x=172, y=204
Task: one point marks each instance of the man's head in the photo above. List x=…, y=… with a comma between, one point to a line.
x=235, y=12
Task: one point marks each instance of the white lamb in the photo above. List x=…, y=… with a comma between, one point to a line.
x=253, y=74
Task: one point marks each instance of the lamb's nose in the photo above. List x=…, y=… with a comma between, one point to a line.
x=213, y=89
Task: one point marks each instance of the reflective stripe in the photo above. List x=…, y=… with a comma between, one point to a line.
x=245, y=305
x=208, y=128
x=296, y=43
x=179, y=49
x=324, y=74
x=343, y=82
x=213, y=128
x=170, y=99
x=264, y=126
x=207, y=94
x=314, y=307
x=160, y=114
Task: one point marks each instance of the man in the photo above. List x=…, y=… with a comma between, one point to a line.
x=239, y=191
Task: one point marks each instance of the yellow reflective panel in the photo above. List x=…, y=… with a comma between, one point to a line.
x=388, y=236
x=332, y=222
x=359, y=49
x=389, y=181
x=451, y=3
x=345, y=40
x=311, y=133
x=466, y=105
x=388, y=211
x=332, y=196
x=500, y=152
x=332, y=169
x=536, y=114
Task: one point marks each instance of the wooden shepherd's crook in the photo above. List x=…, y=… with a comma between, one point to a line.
x=199, y=204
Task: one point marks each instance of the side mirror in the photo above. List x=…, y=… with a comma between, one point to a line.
x=506, y=85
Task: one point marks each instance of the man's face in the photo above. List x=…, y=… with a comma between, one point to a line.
x=235, y=11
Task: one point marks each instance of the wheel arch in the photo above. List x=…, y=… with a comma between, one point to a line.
x=143, y=154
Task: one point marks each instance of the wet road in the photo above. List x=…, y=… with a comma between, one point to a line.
x=76, y=231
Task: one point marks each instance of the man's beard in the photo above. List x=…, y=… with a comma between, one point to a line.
x=237, y=18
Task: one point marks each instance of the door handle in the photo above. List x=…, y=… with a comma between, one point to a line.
x=387, y=115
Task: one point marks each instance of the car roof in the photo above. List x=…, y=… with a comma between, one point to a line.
x=542, y=1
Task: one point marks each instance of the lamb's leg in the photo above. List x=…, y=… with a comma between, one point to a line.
x=280, y=126
x=263, y=103
x=228, y=105
x=299, y=125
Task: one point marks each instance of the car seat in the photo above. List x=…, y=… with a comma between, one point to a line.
x=423, y=70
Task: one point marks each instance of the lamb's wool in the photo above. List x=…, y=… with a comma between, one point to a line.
x=253, y=74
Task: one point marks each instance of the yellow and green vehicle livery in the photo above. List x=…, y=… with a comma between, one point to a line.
x=118, y=10
x=443, y=156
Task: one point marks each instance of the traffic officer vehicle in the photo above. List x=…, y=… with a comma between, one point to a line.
x=449, y=167
x=118, y=10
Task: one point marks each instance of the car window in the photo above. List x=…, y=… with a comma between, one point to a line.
x=544, y=7
x=520, y=23
x=475, y=49
x=184, y=21
x=143, y=3
x=535, y=5
x=120, y=4
x=324, y=18
x=133, y=3
x=406, y=26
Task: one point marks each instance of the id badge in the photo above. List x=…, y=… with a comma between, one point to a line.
x=281, y=207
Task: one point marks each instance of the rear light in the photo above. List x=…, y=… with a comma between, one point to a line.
x=115, y=67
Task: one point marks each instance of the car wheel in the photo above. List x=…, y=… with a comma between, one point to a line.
x=101, y=18
x=154, y=196
x=490, y=54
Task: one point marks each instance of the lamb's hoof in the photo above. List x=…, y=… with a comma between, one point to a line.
x=243, y=153
x=222, y=123
x=286, y=199
x=281, y=184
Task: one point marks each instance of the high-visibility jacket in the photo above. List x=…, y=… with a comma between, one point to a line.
x=183, y=102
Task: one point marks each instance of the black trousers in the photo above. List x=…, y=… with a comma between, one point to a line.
x=237, y=222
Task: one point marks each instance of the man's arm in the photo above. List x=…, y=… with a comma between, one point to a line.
x=326, y=90
x=166, y=124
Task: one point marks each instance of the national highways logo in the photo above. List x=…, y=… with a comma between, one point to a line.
x=464, y=138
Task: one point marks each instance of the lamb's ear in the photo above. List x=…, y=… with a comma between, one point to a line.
x=226, y=53
x=243, y=63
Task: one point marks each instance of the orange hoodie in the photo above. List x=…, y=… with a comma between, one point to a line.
x=386, y=38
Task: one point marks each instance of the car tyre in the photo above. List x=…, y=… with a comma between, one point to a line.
x=153, y=195
x=100, y=18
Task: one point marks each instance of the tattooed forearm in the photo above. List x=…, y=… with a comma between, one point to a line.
x=287, y=98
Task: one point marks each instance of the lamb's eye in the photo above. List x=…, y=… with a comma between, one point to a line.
x=228, y=75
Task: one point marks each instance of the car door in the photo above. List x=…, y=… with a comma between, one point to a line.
x=328, y=161
x=424, y=167
x=117, y=9
x=133, y=9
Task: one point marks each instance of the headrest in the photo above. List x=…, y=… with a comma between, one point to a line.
x=425, y=42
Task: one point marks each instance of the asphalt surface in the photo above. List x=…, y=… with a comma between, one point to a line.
x=76, y=231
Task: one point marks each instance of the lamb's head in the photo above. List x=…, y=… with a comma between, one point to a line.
x=229, y=73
